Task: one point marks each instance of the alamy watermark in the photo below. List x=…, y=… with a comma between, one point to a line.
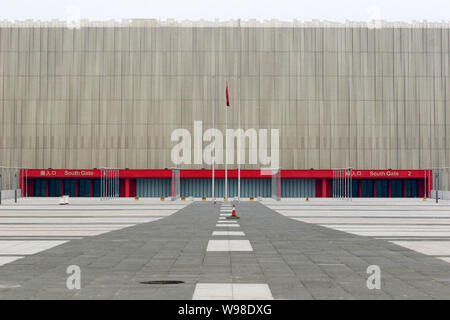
x=374, y=280
x=73, y=281
x=218, y=150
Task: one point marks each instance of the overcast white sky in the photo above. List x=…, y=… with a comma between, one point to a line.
x=287, y=10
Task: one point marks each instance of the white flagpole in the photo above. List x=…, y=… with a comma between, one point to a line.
x=239, y=118
x=226, y=153
x=214, y=153
x=239, y=144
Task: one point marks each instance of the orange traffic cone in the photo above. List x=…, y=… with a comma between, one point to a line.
x=233, y=213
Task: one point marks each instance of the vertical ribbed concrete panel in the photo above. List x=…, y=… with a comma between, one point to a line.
x=110, y=93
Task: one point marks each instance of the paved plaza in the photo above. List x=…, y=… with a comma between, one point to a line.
x=291, y=249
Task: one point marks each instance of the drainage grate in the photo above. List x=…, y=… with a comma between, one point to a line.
x=163, y=282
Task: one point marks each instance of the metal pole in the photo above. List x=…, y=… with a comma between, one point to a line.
x=0, y=185
x=15, y=186
x=239, y=118
x=26, y=183
x=226, y=153
x=108, y=186
x=345, y=184
x=332, y=184
x=214, y=153
x=348, y=185
x=103, y=184
x=351, y=183
x=339, y=183
x=425, y=184
x=437, y=186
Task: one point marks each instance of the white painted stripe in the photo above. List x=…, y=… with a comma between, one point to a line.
x=433, y=248
x=375, y=220
x=86, y=213
x=228, y=233
x=8, y=259
x=26, y=247
x=62, y=227
x=387, y=227
x=76, y=220
x=62, y=233
x=229, y=245
x=232, y=291
x=227, y=225
x=227, y=221
x=399, y=234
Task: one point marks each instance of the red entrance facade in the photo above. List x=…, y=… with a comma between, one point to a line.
x=85, y=179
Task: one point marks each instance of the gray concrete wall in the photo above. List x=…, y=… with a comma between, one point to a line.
x=110, y=94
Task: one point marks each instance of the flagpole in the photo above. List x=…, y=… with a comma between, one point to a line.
x=226, y=153
x=214, y=153
x=239, y=117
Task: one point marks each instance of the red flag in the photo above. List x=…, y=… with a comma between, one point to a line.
x=228, y=98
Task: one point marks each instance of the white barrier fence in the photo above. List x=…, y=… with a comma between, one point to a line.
x=443, y=195
x=9, y=194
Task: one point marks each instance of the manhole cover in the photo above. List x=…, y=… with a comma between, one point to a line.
x=162, y=282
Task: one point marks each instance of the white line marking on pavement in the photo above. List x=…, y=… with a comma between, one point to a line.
x=35, y=226
x=229, y=245
x=432, y=248
x=401, y=223
x=228, y=233
x=7, y=259
x=232, y=291
x=24, y=247
x=226, y=225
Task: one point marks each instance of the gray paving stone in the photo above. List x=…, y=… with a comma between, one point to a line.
x=297, y=260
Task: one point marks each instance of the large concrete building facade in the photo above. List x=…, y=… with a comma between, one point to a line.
x=111, y=93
